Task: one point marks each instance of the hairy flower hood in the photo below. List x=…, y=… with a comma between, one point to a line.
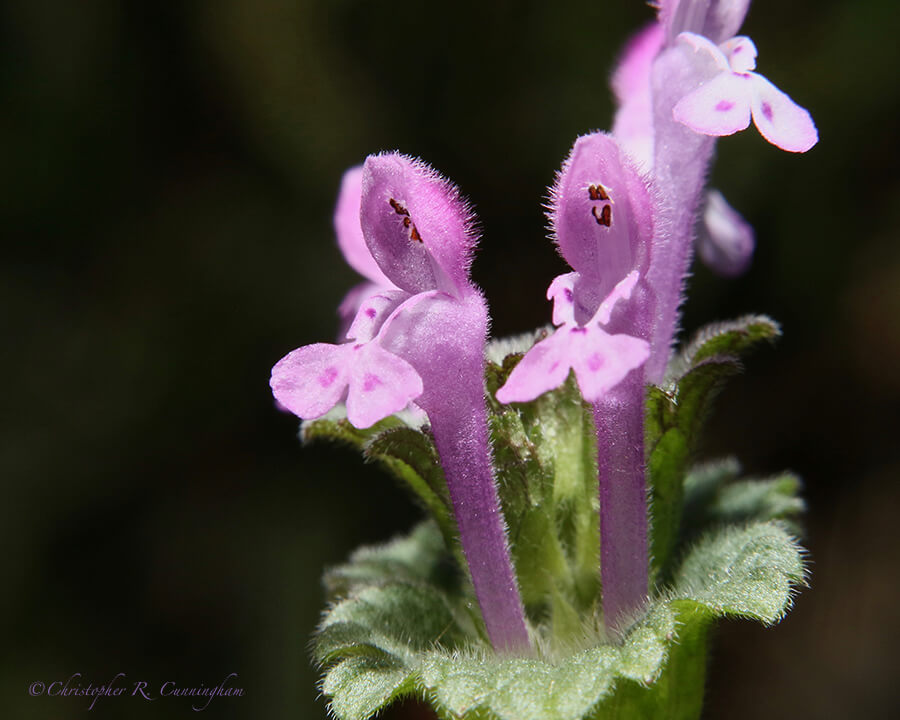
x=411, y=237
x=601, y=214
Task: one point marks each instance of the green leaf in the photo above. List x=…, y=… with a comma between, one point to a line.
x=771, y=499
x=568, y=688
x=696, y=390
x=359, y=687
x=678, y=692
x=410, y=455
x=418, y=558
x=714, y=496
x=393, y=619
x=399, y=635
x=405, y=451
x=748, y=571
x=666, y=466
x=732, y=338
x=675, y=415
x=335, y=427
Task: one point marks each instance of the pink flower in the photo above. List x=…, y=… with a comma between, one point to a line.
x=724, y=104
x=419, y=333
x=601, y=216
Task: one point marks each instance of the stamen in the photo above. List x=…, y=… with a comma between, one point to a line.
x=605, y=216
x=398, y=208
x=407, y=221
x=597, y=192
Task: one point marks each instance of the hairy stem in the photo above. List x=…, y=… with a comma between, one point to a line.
x=462, y=443
x=449, y=355
x=624, y=557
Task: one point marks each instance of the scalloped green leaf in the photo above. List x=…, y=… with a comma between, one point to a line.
x=750, y=571
x=389, y=639
x=394, y=619
x=568, y=688
x=731, y=338
x=359, y=687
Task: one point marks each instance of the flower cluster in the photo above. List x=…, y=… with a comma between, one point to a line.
x=626, y=211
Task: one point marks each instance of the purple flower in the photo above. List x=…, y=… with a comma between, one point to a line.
x=421, y=336
x=723, y=104
x=602, y=222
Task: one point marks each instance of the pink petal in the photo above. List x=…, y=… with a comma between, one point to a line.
x=544, y=367
x=562, y=293
x=622, y=291
x=380, y=385
x=779, y=119
x=602, y=360
x=741, y=53
x=720, y=106
x=416, y=226
x=373, y=311
x=349, y=231
x=312, y=379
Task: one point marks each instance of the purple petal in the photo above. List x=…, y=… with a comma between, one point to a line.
x=716, y=19
x=725, y=240
x=349, y=231
x=779, y=119
x=633, y=126
x=544, y=367
x=601, y=214
x=602, y=361
x=373, y=312
x=312, y=379
x=741, y=53
x=380, y=385
x=415, y=224
x=718, y=107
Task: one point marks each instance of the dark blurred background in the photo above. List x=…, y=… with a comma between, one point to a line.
x=168, y=176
